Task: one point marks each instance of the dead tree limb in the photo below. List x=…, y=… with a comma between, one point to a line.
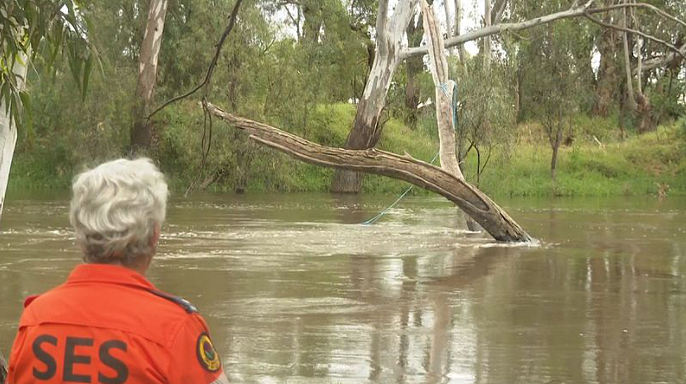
x=638, y=5
x=500, y=28
x=637, y=32
x=577, y=11
x=472, y=201
x=664, y=60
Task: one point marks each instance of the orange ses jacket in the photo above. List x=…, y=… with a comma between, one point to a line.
x=108, y=324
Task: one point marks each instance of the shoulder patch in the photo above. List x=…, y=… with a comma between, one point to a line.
x=207, y=355
x=30, y=300
x=183, y=303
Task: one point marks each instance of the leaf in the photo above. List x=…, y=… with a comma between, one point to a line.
x=75, y=64
x=87, y=67
x=15, y=111
x=27, y=115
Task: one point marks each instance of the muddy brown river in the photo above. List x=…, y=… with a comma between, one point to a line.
x=296, y=290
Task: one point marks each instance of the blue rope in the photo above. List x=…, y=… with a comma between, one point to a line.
x=385, y=211
x=444, y=88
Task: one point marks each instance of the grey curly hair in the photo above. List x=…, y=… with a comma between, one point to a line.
x=115, y=209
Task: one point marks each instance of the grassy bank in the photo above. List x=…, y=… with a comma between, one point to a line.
x=638, y=165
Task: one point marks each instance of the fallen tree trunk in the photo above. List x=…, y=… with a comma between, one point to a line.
x=472, y=201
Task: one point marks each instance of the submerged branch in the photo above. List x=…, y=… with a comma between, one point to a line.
x=472, y=201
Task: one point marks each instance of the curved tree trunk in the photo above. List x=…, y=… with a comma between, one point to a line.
x=141, y=132
x=472, y=201
x=366, y=130
x=444, y=98
x=444, y=92
x=8, y=131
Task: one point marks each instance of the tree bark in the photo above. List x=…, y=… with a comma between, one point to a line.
x=8, y=130
x=631, y=96
x=448, y=21
x=553, y=160
x=444, y=98
x=607, y=77
x=413, y=66
x=141, y=132
x=456, y=30
x=366, y=129
x=444, y=92
x=472, y=201
x=313, y=21
x=487, y=39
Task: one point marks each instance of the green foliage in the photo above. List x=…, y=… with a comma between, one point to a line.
x=299, y=73
x=637, y=166
x=41, y=30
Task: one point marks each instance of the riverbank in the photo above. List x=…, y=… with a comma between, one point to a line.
x=595, y=164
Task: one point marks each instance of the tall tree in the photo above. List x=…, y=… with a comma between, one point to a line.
x=25, y=25
x=413, y=67
x=456, y=29
x=607, y=71
x=141, y=132
x=367, y=129
x=487, y=40
x=553, y=83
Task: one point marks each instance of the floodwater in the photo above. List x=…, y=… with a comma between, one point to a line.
x=296, y=290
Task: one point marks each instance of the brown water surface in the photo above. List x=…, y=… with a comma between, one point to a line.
x=296, y=290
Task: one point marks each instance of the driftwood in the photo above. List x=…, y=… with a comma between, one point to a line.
x=472, y=201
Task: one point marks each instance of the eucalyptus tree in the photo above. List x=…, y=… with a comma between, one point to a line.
x=35, y=29
x=553, y=84
x=141, y=131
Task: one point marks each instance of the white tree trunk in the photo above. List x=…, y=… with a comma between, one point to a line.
x=8, y=131
x=487, y=39
x=141, y=132
x=366, y=131
x=448, y=21
x=444, y=92
x=456, y=30
x=631, y=97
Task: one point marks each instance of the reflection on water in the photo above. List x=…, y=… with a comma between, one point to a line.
x=296, y=290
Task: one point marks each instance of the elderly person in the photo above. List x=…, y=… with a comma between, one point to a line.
x=107, y=323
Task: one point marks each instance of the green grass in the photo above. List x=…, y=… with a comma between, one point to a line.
x=637, y=166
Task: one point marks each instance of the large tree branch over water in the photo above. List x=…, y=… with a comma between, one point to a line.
x=472, y=201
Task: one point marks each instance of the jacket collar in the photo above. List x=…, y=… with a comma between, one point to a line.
x=104, y=273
